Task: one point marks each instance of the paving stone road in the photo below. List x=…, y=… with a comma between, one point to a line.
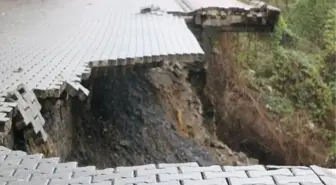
x=18, y=168
x=46, y=43
x=51, y=45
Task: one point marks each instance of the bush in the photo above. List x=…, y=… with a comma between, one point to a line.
x=307, y=18
x=297, y=76
x=329, y=33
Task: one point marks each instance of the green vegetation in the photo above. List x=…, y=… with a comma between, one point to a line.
x=294, y=67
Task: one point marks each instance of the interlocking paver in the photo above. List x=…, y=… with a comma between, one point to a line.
x=285, y=172
x=142, y=167
x=82, y=34
x=218, y=181
x=79, y=180
x=165, y=165
x=60, y=175
x=252, y=181
x=18, y=168
x=297, y=179
x=304, y=172
x=84, y=171
x=130, y=181
x=201, y=169
x=212, y=175
x=61, y=167
x=285, y=167
x=49, y=58
x=244, y=168
x=112, y=175
x=31, y=182
x=168, y=170
x=328, y=180
x=186, y=176
x=162, y=183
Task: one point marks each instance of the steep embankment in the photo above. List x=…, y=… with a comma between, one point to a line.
x=126, y=126
x=146, y=116
x=132, y=118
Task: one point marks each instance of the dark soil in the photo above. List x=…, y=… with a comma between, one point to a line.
x=127, y=126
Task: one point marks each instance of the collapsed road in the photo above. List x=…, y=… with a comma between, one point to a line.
x=58, y=94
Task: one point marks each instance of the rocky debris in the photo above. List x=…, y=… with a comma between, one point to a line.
x=58, y=124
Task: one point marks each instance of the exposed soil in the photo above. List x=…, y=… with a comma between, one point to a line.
x=126, y=126
x=146, y=116
x=245, y=124
x=140, y=116
x=181, y=92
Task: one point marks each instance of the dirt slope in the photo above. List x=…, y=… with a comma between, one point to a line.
x=135, y=117
x=126, y=126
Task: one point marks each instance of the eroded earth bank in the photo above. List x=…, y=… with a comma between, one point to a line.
x=136, y=116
